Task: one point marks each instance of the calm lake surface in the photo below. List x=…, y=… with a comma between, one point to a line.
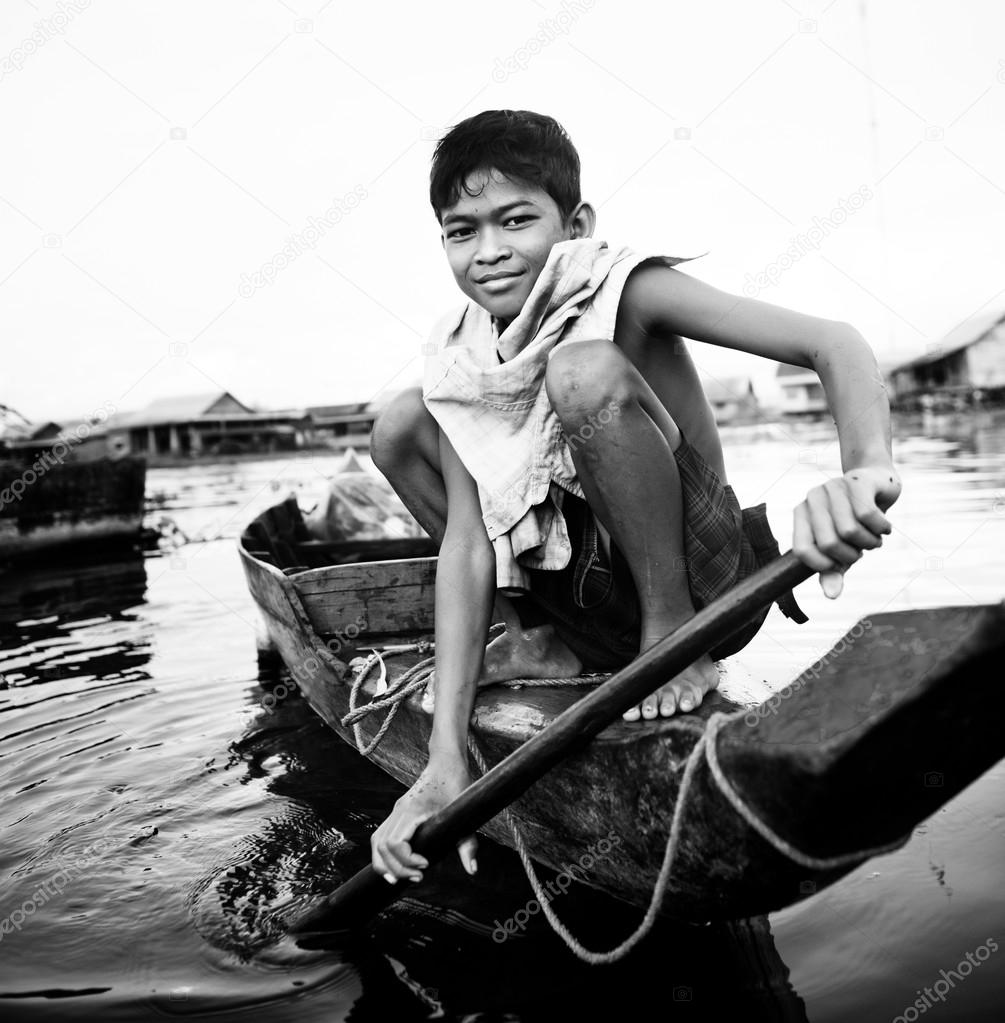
x=157, y=818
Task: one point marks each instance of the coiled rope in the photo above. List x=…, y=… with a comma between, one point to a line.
x=414, y=680
x=705, y=748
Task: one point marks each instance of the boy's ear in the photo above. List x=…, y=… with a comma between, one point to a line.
x=583, y=221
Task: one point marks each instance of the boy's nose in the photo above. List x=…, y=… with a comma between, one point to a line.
x=492, y=247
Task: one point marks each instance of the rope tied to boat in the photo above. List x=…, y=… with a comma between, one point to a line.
x=575, y=946
x=705, y=748
x=414, y=680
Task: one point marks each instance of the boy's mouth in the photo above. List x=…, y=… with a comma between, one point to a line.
x=499, y=276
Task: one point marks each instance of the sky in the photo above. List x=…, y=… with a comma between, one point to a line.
x=840, y=157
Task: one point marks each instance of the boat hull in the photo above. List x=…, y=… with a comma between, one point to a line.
x=71, y=503
x=816, y=749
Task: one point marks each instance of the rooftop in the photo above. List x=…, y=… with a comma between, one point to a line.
x=963, y=335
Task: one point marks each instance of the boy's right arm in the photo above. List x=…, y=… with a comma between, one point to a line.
x=465, y=592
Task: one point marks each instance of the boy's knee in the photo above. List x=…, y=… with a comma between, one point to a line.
x=396, y=428
x=586, y=375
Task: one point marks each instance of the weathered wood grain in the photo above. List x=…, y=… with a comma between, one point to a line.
x=393, y=597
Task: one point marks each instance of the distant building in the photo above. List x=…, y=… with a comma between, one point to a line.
x=26, y=440
x=968, y=363
x=205, y=425
x=732, y=399
x=348, y=426
x=342, y=426
x=802, y=392
x=29, y=436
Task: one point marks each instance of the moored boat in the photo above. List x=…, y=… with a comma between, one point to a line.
x=792, y=793
x=47, y=505
x=63, y=489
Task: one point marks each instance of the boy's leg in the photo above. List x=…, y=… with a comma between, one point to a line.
x=405, y=447
x=629, y=475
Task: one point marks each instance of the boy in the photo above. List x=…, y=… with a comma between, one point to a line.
x=594, y=536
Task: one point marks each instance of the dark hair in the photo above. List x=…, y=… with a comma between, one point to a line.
x=524, y=146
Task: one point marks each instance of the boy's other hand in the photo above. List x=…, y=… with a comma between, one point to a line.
x=391, y=855
x=841, y=518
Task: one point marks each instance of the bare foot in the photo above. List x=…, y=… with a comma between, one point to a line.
x=528, y=653
x=521, y=653
x=684, y=693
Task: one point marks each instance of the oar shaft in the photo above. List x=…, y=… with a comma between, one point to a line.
x=366, y=892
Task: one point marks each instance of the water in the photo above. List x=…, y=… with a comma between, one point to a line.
x=157, y=819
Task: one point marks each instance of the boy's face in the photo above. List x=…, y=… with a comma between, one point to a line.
x=498, y=240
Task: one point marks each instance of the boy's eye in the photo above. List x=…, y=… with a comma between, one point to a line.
x=462, y=232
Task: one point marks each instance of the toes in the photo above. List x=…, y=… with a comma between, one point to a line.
x=691, y=697
x=632, y=714
x=668, y=703
x=650, y=707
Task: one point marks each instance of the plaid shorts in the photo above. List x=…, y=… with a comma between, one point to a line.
x=594, y=604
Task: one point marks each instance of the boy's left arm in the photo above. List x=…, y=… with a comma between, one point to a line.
x=844, y=516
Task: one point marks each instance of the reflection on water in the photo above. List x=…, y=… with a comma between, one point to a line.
x=160, y=821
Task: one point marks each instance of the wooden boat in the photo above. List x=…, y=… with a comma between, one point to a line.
x=901, y=715
x=47, y=504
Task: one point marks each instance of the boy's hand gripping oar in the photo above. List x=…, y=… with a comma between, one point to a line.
x=366, y=893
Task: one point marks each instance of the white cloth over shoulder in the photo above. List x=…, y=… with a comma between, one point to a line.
x=497, y=414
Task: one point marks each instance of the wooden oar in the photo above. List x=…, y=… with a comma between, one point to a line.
x=366, y=893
